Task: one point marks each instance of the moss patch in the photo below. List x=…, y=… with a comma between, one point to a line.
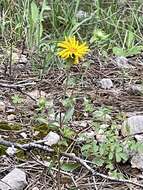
x=10, y=127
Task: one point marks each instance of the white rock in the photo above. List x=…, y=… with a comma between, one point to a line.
x=122, y=62
x=11, y=117
x=35, y=188
x=23, y=59
x=11, y=151
x=100, y=138
x=106, y=83
x=135, y=90
x=133, y=125
x=2, y=106
x=139, y=138
x=137, y=161
x=24, y=135
x=15, y=180
x=52, y=138
x=36, y=94
x=36, y=133
x=81, y=14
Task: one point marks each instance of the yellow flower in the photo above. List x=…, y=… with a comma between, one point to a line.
x=72, y=49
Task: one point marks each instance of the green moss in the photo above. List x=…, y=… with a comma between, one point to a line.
x=2, y=150
x=21, y=155
x=10, y=127
x=42, y=129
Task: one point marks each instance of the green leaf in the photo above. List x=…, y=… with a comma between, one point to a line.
x=119, y=51
x=134, y=50
x=130, y=39
x=16, y=99
x=98, y=161
x=67, y=132
x=124, y=156
x=118, y=157
x=95, y=147
x=42, y=120
x=69, y=167
x=34, y=12
x=111, y=155
x=68, y=115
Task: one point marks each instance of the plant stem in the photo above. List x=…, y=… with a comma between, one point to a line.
x=67, y=80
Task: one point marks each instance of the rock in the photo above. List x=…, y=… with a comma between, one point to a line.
x=24, y=135
x=10, y=110
x=133, y=125
x=122, y=2
x=11, y=117
x=23, y=59
x=15, y=180
x=11, y=151
x=139, y=138
x=137, y=161
x=36, y=94
x=2, y=106
x=51, y=139
x=81, y=14
x=106, y=83
x=122, y=62
x=17, y=57
x=135, y=90
x=35, y=188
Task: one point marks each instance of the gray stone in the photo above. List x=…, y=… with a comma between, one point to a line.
x=106, y=83
x=2, y=106
x=135, y=90
x=15, y=180
x=122, y=62
x=11, y=117
x=81, y=14
x=133, y=125
x=51, y=139
x=137, y=161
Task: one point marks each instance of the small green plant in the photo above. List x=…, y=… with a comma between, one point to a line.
x=129, y=48
x=16, y=99
x=45, y=111
x=99, y=36
x=107, y=153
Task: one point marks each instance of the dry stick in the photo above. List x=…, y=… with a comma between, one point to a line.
x=10, y=58
x=59, y=156
x=69, y=155
x=18, y=88
x=14, y=86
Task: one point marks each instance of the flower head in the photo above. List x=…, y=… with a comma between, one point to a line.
x=72, y=49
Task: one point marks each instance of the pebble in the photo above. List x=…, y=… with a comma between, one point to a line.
x=11, y=117
x=52, y=138
x=2, y=106
x=132, y=125
x=15, y=180
x=106, y=83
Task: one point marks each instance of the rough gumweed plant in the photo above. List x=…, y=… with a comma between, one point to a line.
x=71, y=49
